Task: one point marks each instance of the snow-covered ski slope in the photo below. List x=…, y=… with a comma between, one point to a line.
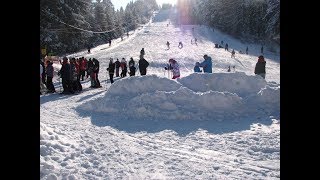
x=224, y=125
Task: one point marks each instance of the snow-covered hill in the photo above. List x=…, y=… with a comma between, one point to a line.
x=223, y=125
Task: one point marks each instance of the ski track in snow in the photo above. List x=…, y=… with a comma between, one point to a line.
x=72, y=147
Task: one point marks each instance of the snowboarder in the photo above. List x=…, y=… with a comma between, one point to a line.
x=260, y=68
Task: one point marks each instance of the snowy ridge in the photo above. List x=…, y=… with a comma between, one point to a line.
x=197, y=96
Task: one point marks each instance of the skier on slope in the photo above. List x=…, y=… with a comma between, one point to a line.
x=174, y=67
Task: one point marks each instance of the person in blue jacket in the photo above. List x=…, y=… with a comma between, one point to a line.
x=206, y=64
x=197, y=67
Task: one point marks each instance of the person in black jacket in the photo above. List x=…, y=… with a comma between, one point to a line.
x=132, y=67
x=65, y=72
x=96, y=66
x=117, y=63
x=111, y=69
x=143, y=64
x=49, y=72
x=260, y=68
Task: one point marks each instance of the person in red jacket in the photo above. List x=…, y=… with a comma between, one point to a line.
x=83, y=67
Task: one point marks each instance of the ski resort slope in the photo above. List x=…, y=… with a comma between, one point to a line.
x=224, y=125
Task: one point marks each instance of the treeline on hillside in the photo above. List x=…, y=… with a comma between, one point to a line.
x=68, y=26
x=248, y=19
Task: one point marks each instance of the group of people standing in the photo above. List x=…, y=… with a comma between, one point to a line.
x=72, y=72
x=115, y=66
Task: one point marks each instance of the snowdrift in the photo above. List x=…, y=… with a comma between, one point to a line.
x=198, y=96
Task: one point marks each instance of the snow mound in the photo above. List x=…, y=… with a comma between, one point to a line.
x=198, y=96
x=238, y=82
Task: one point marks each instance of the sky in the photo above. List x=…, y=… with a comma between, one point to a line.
x=118, y=3
x=224, y=125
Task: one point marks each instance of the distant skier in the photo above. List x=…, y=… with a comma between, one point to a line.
x=247, y=49
x=261, y=50
x=226, y=48
x=89, y=51
x=180, y=45
x=168, y=44
x=109, y=42
x=229, y=69
x=233, y=54
x=195, y=41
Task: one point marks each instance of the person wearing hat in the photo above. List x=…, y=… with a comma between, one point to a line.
x=260, y=68
x=206, y=64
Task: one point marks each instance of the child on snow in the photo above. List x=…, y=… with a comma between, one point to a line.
x=197, y=67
